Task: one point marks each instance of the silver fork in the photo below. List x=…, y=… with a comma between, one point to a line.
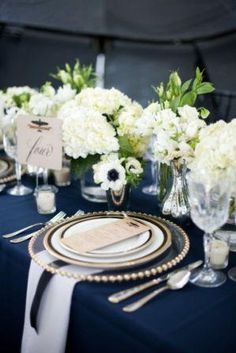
x=19, y=231
x=47, y=226
x=28, y=236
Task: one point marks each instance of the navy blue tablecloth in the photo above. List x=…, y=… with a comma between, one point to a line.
x=193, y=320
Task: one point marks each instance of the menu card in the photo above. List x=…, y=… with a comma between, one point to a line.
x=105, y=235
x=39, y=141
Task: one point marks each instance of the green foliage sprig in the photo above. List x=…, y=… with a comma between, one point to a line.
x=177, y=94
x=79, y=77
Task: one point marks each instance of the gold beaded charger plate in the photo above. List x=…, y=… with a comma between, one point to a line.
x=171, y=257
x=122, y=248
x=6, y=170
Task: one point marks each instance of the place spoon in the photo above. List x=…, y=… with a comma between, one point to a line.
x=176, y=281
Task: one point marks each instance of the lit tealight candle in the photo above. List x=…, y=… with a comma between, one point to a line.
x=46, y=201
x=62, y=177
x=219, y=253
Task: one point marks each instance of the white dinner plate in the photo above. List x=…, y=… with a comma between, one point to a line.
x=161, y=242
x=124, y=247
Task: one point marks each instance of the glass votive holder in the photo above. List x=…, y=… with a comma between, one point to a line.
x=62, y=177
x=219, y=252
x=45, y=199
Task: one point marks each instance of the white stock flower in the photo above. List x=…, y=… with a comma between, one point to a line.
x=110, y=174
x=188, y=113
x=177, y=136
x=41, y=105
x=145, y=123
x=65, y=93
x=86, y=132
x=127, y=119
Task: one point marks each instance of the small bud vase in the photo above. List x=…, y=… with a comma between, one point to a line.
x=176, y=202
x=119, y=200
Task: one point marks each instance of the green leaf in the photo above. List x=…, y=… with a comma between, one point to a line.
x=186, y=86
x=204, y=88
x=198, y=74
x=126, y=149
x=81, y=165
x=21, y=99
x=174, y=104
x=188, y=98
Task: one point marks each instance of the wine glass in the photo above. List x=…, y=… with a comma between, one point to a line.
x=10, y=147
x=153, y=188
x=209, y=202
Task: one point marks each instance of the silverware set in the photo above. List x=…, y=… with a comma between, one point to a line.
x=59, y=217
x=176, y=279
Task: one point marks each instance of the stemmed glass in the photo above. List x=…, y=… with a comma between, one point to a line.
x=153, y=188
x=209, y=202
x=10, y=147
x=232, y=271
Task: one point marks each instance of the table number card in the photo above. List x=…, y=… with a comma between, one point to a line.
x=39, y=141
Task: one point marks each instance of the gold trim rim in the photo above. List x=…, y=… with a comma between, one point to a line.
x=130, y=276
x=127, y=252
x=104, y=265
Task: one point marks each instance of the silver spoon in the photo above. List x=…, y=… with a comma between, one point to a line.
x=176, y=281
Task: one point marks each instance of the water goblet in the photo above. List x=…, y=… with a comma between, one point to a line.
x=209, y=202
x=153, y=188
x=10, y=147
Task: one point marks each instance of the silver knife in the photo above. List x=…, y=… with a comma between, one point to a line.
x=127, y=293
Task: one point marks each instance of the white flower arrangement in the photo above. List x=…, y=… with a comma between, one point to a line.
x=115, y=113
x=113, y=172
x=216, y=150
x=177, y=134
x=173, y=120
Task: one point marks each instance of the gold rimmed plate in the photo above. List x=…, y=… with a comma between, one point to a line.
x=6, y=169
x=174, y=255
x=161, y=242
x=122, y=248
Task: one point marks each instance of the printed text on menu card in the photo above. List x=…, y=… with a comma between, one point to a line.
x=39, y=141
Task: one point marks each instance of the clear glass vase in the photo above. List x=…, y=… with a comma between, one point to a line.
x=176, y=202
x=119, y=200
x=90, y=190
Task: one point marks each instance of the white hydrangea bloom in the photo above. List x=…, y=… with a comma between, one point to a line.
x=105, y=101
x=16, y=91
x=216, y=151
x=67, y=109
x=87, y=132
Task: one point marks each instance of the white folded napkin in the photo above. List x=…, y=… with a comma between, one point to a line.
x=54, y=310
